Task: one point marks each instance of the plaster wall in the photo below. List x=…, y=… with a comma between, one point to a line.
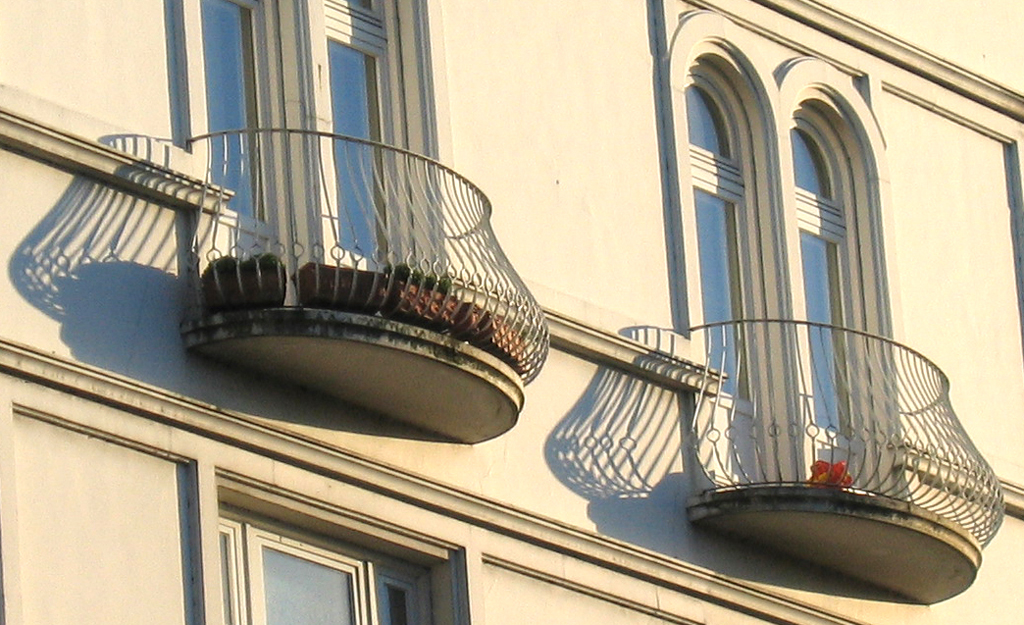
x=105, y=60
x=558, y=126
x=984, y=39
x=553, y=114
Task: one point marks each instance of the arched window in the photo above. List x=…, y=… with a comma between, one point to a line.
x=822, y=250
x=718, y=197
x=822, y=231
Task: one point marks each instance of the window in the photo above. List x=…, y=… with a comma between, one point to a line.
x=822, y=245
x=350, y=67
x=270, y=578
x=718, y=192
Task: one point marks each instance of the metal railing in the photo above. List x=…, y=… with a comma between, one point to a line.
x=805, y=404
x=318, y=220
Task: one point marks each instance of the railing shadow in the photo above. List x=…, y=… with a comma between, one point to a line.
x=622, y=448
x=109, y=267
x=103, y=263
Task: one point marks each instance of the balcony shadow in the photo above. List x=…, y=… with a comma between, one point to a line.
x=109, y=267
x=622, y=448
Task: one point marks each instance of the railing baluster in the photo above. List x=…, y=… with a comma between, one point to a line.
x=819, y=392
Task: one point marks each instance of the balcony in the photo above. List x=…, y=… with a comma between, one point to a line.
x=365, y=272
x=842, y=449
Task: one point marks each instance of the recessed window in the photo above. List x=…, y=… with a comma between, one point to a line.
x=265, y=67
x=707, y=128
x=274, y=579
x=720, y=202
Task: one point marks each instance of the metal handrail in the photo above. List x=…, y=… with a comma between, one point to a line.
x=362, y=227
x=781, y=395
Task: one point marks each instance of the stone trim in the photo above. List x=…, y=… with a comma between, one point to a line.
x=884, y=46
x=89, y=158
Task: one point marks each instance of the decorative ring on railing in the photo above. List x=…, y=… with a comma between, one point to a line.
x=318, y=220
x=800, y=403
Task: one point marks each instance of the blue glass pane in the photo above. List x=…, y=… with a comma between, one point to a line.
x=301, y=592
x=821, y=292
x=354, y=113
x=227, y=58
x=811, y=174
x=717, y=251
x=705, y=121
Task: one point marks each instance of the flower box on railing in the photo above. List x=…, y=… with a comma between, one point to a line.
x=342, y=288
x=232, y=284
x=409, y=296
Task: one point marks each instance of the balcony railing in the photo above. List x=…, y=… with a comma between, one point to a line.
x=313, y=220
x=793, y=409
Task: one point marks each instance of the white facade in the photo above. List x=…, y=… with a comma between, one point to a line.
x=142, y=481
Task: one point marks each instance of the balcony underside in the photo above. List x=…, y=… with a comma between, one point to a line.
x=891, y=544
x=405, y=373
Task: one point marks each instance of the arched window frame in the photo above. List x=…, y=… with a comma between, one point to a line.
x=851, y=218
x=739, y=179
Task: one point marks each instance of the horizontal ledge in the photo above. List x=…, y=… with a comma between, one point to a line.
x=95, y=160
x=578, y=338
x=880, y=540
x=408, y=374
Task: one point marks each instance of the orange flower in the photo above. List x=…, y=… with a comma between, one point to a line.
x=819, y=472
x=828, y=474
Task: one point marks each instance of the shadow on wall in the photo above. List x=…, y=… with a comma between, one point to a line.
x=621, y=447
x=104, y=263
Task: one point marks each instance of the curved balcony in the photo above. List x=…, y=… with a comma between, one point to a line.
x=840, y=448
x=363, y=271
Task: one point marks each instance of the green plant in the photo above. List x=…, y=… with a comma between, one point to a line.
x=266, y=262
x=427, y=280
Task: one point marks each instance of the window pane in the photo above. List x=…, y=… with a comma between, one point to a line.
x=353, y=92
x=719, y=279
x=301, y=592
x=357, y=167
x=717, y=250
x=227, y=565
x=230, y=95
x=821, y=289
x=707, y=129
x=821, y=272
x=811, y=173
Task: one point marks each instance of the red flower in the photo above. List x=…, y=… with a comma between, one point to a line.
x=828, y=474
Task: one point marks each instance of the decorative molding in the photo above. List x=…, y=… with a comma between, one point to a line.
x=633, y=357
x=930, y=106
x=567, y=584
x=887, y=47
x=84, y=157
x=29, y=364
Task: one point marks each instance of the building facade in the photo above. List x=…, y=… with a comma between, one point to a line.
x=410, y=312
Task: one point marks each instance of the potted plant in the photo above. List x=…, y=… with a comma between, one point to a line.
x=342, y=288
x=825, y=473
x=229, y=283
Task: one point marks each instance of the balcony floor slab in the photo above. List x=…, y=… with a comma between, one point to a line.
x=891, y=544
x=403, y=372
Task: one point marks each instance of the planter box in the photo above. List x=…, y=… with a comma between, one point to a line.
x=243, y=286
x=343, y=288
x=372, y=292
x=504, y=342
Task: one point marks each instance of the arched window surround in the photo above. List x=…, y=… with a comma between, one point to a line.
x=823, y=103
x=741, y=178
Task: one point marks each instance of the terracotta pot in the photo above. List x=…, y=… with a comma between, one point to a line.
x=343, y=288
x=244, y=287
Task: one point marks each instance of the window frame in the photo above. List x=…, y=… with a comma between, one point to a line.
x=370, y=572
